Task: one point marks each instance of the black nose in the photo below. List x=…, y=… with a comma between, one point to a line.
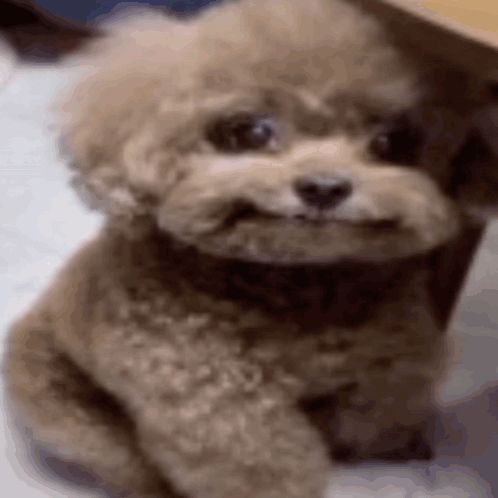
x=323, y=192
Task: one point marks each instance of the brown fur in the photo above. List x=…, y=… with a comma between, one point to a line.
x=195, y=347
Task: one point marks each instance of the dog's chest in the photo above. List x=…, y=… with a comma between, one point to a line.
x=305, y=348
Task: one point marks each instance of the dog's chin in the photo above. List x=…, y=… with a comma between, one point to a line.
x=270, y=239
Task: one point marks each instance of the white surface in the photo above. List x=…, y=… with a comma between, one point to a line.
x=41, y=222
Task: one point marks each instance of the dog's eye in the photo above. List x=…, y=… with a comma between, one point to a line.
x=400, y=142
x=243, y=132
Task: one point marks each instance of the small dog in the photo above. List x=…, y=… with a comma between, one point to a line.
x=276, y=177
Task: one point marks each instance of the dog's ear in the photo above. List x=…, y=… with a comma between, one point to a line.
x=476, y=164
x=109, y=118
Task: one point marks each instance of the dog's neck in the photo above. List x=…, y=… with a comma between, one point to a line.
x=346, y=293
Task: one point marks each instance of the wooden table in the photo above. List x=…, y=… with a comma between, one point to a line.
x=476, y=18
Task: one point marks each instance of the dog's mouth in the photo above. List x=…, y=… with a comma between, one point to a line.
x=244, y=212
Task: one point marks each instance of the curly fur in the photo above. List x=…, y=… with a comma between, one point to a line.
x=199, y=349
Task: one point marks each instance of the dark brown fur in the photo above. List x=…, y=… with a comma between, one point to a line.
x=36, y=34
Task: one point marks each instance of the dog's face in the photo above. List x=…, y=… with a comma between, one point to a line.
x=286, y=133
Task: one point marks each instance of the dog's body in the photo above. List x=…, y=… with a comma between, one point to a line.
x=265, y=264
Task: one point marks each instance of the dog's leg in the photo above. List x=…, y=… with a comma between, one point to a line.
x=74, y=419
x=386, y=420
x=238, y=446
x=210, y=419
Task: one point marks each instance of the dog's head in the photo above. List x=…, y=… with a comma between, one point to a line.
x=283, y=131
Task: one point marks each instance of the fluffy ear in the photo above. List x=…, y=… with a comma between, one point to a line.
x=107, y=118
x=476, y=166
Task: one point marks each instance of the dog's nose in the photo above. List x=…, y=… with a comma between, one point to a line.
x=323, y=192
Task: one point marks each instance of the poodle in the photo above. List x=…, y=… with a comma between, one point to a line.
x=276, y=177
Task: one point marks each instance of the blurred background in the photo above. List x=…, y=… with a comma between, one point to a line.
x=89, y=10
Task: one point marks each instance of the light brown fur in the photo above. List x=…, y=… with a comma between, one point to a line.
x=194, y=348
